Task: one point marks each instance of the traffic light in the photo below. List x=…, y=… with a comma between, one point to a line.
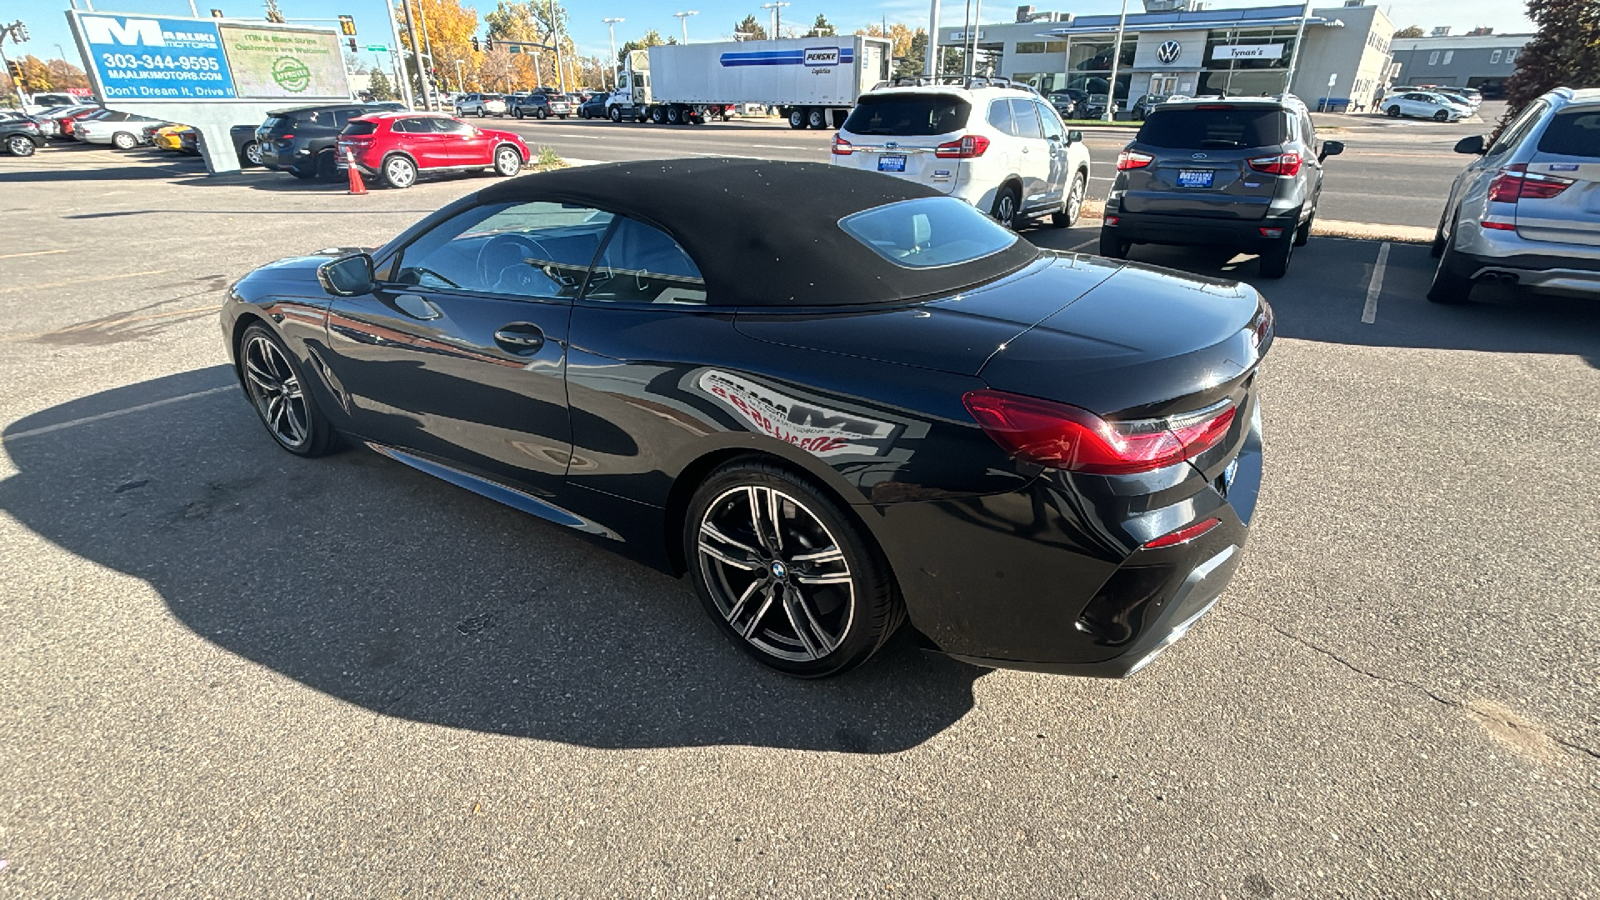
x=347, y=26
x=352, y=45
x=15, y=69
x=487, y=45
x=475, y=47
x=20, y=33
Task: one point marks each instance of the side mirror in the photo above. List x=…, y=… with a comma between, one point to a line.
x=1330, y=148
x=1473, y=145
x=1074, y=137
x=348, y=276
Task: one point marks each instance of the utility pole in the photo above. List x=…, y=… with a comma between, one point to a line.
x=930, y=65
x=977, y=28
x=1116, y=57
x=683, y=19
x=427, y=84
x=400, y=61
x=416, y=53
x=555, y=32
x=611, y=25
x=777, y=20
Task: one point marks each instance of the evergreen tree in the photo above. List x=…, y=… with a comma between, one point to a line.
x=1564, y=53
x=821, y=28
x=749, y=30
x=379, y=86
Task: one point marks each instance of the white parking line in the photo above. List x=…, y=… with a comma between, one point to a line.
x=119, y=412
x=34, y=253
x=1369, y=314
x=587, y=137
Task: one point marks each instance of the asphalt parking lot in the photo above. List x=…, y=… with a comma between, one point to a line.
x=234, y=672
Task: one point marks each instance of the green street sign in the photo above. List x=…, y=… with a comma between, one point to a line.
x=515, y=49
x=377, y=48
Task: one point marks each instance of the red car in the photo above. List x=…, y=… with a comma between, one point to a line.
x=400, y=146
x=64, y=123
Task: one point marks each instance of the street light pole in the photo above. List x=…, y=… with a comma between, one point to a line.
x=611, y=25
x=930, y=66
x=1116, y=58
x=683, y=19
x=777, y=18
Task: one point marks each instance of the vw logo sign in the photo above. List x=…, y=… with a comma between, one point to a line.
x=1169, y=52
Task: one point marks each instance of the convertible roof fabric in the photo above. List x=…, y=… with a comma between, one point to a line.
x=765, y=233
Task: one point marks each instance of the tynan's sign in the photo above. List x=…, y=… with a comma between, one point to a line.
x=1247, y=51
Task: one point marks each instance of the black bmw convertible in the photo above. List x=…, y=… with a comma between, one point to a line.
x=839, y=402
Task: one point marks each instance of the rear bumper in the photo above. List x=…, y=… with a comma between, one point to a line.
x=1554, y=274
x=1167, y=228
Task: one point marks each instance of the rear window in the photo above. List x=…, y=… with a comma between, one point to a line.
x=359, y=128
x=908, y=115
x=928, y=232
x=1573, y=133
x=271, y=122
x=1198, y=128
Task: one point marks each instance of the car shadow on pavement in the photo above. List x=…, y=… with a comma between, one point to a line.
x=385, y=588
x=1325, y=295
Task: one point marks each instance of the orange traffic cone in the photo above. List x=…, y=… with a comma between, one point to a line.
x=356, y=184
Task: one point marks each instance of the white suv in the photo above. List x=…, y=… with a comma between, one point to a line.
x=999, y=146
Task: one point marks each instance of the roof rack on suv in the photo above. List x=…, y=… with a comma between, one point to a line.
x=964, y=81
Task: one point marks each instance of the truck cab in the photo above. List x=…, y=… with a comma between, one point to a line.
x=631, y=99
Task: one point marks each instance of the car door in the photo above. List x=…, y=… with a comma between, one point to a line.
x=460, y=143
x=1033, y=153
x=460, y=353
x=1060, y=172
x=415, y=135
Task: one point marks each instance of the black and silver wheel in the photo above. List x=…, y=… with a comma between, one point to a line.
x=124, y=141
x=1005, y=206
x=658, y=115
x=18, y=145
x=480, y=112
x=327, y=166
x=1441, y=116
x=1302, y=234
x=1074, y=205
x=1393, y=112
x=252, y=153
x=1275, y=257
x=1449, y=286
x=399, y=172
x=786, y=573
x=542, y=114
x=616, y=114
x=518, y=113
x=1111, y=246
x=279, y=395
x=674, y=115
x=797, y=118
x=817, y=118
x=507, y=161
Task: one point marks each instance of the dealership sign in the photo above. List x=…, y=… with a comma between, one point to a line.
x=1247, y=51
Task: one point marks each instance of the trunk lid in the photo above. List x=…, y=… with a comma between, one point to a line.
x=1568, y=151
x=898, y=134
x=1200, y=162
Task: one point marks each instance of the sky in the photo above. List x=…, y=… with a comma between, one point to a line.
x=716, y=19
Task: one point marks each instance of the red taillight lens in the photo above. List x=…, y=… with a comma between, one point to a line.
x=1285, y=164
x=1133, y=159
x=1183, y=535
x=841, y=147
x=970, y=147
x=1515, y=182
x=1066, y=437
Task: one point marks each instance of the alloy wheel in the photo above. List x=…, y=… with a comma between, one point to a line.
x=1005, y=209
x=19, y=146
x=399, y=172
x=276, y=391
x=1075, y=200
x=252, y=153
x=507, y=162
x=776, y=574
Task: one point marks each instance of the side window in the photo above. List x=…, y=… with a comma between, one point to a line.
x=1519, y=128
x=1052, y=122
x=341, y=117
x=1025, y=120
x=536, y=250
x=643, y=264
x=448, y=126
x=409, y=126
x=1000, y=116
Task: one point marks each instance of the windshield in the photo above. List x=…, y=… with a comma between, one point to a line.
x=928, y=232
x=909, y=115
x=1203, y=127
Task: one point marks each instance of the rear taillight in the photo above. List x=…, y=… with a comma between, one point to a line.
x=1066, y=437
x=1283, y=164
x=1133, y=159
x=970, y=147
x=1515, y=182
x=841, y=147
x=1261, y=327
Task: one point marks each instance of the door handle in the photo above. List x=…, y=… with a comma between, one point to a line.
x=520, y=337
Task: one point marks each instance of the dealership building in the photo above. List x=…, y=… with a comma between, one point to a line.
x=1190, y=48
x=1483, y=60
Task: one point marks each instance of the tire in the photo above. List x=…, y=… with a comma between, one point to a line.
x=276, y=387
x=797, y=118
x=480, y=112
x=302, y=174
x=1113, y=247
x=250, y=154
x=674, y=115
x=1436, y=249
x=518, y=113
x=1006, y=202
x=1275, y=259
x=18, y=145
x=1303, y=232
x=507, y=161
x=542, y=114
x=657, y=115
x=1441, y=116
x=616, y=114
x=1393, y=112
x=743, y=528
x=817, y=118
x=124, y=141
x=327, y=166
x=1073, y=205
x=1448, y=288
x=399, y=172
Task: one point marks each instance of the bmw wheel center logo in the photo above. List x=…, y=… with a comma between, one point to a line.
x=1169, y=52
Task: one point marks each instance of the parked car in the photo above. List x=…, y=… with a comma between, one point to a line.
x=1146, y=103
x=1065, y=104
x=399, y=147
x=169, y=137
x=543, y=106
x=124, y=131
x=66, y=123
x=1243, y=173
x=1523, y=213
x=301, y=140
x=999, y=147
x=847, y=453
x=594, y=107
x=481, y=105
x=1423, y=105
x=246, y=145
x=20, y=135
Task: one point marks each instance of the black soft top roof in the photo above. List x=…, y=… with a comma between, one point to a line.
x=765, y=233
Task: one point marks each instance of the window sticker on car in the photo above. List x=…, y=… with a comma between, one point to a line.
x=809, y=426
